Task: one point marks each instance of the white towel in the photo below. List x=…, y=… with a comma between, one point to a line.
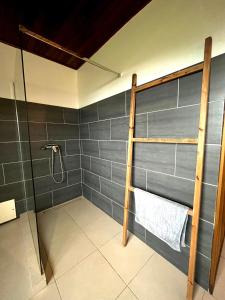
x=162, y=217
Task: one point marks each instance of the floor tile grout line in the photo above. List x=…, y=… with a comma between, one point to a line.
x=113, y=268
x=98, y=249
x=138, y=272
x=74, y=266
x=58, y=289
x=116, y=270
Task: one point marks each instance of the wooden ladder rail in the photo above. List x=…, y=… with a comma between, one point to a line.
x=199, y=166
x=195, y=213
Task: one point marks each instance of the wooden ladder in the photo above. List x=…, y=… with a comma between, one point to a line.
x=200, y=141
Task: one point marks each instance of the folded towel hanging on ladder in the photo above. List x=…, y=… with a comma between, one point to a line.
x=164, y=218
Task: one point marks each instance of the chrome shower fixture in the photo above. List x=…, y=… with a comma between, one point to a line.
x=55, y=148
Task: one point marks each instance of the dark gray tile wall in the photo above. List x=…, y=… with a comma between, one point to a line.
x=53, y=124
x=168, y=110
x=46, y=124
x=12, y=184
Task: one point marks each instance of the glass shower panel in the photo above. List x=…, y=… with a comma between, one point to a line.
x=25, y=150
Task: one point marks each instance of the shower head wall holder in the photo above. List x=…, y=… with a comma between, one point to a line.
x=53, y=147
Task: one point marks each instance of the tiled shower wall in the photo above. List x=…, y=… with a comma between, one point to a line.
x=169, y=110
x=12, y=185
x=47, y=124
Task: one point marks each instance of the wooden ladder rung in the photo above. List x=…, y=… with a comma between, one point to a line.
x=170, y=77
x=166, y=140
x=190, y=211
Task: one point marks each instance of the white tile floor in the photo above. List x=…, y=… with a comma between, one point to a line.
x=88, y=261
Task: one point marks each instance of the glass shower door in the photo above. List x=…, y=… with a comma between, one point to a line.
x=25, y=147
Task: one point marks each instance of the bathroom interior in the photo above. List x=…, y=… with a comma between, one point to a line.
x=104, y=149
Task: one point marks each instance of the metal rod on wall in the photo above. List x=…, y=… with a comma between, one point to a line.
x=57, y=46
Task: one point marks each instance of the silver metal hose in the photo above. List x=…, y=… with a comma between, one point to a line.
x=54, y=151
x=55, y=148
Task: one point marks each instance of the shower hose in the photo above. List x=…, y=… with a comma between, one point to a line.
x=54, y=151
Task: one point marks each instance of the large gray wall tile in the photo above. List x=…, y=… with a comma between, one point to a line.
x=86, y=191
x=21, y=207
x=62, y=131
x=112, y=190
x=85, y=162
x=177, y=123
x=156, y=157
x=36, y=151
x=74, y=176
x=205, y=236
x=186, y=162
x=71, y=162
x=43, y=201
x=37, y=131
x=190, y=89
x=12, y=191
x=102, y=202
x=119, y=173
x=9, y=152
x=72, y=147
x=84, y=131
x=8, y=131
x=217, y=82
x=46, y=184
x=119, y=128
x=141, y=125
x=113, y=150
x=100, y=130
x=2, y=180
x=71, y=115
x=215, y=121
x=90, y=148
x=44, y=113
x=112, y=107
x=182, y=191
x=133, y=227
x=89, y=113
x=157, y=98
x=7, y=111
x=91, y=180
x=66, y=194
x=13, y=172
x=101, y=167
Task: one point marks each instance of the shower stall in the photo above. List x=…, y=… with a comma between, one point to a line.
x=39, y=163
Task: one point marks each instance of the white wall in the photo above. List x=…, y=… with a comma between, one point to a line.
x=7, y=70
x=50, y=83
x=46, y=82
x=164, y=37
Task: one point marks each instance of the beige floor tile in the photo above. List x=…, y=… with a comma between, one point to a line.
x=102, y=230
x=207, y=296
x=161, y=280
x=223, y=251
x=15, y=280
x=127, y=295
x=66, y=252
x=219, y=290
x=92, y=279
x=127, y=261
x=55, y=224
x=48, y=293
x=83, y=211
